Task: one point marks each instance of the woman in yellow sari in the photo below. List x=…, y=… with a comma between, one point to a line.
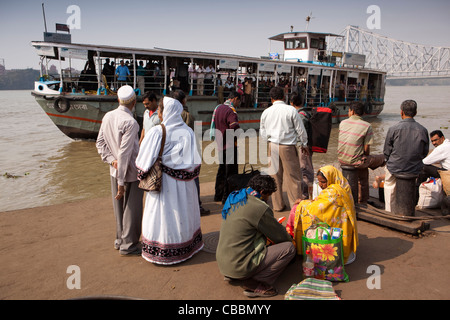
x=334, y=205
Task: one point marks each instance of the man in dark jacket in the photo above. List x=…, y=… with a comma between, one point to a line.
x=406, y=144
x=224, y=124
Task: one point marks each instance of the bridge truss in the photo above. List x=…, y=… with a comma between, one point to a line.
x=400, y=59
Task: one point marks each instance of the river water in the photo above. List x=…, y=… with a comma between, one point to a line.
x=40, y=166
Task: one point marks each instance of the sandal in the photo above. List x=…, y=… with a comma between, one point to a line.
x=351, y=258
x=261, y=291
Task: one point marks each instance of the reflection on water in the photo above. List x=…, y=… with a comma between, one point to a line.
x=72, y=172
x=62, y=170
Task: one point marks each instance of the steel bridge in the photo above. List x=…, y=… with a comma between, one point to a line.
x=400, y=59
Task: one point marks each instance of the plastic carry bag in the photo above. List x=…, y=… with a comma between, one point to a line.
x=430, y=194
x=325, y=245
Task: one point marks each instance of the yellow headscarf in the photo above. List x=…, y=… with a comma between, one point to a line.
x=335, y=206
x=334, y=176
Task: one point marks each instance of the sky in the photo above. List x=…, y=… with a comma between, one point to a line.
x=227, y=26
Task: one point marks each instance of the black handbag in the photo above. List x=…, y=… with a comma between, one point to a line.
x=240, y=180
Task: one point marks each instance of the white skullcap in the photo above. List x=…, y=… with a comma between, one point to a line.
x=126, y=94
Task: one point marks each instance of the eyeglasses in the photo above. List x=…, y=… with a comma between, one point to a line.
x=435, y=140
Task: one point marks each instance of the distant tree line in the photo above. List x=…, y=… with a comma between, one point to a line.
x=18, y=79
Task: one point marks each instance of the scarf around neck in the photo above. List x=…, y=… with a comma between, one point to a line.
x=236, y=199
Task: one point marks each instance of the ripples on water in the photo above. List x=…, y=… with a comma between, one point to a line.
x=53, y=168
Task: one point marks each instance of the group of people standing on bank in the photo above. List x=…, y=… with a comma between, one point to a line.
x=170, y=224
x=248, y=221
x=162, y=228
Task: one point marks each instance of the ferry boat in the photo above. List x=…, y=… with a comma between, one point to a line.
x=76, y=103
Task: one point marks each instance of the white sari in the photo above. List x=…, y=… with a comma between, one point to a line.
x=171, y=221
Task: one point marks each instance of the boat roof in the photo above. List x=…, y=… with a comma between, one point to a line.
x=281, y=36
x=116, y=51
x=143, y=54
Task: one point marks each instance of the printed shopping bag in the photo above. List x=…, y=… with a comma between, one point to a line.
x=325, y=246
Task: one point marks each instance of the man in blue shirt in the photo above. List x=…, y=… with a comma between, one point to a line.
x=122, y=73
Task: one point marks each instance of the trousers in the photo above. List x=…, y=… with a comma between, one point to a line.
x=371, y=162
x=228, y=166
x=284, y=162
x=306, y=165
x=277, y=258
x=128, y=214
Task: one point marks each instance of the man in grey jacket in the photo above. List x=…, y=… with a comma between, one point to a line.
x=406, y=144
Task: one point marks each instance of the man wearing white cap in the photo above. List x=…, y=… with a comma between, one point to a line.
x=118, y=145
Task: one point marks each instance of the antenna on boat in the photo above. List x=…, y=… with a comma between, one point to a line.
x=45, y=21
x=308, y=19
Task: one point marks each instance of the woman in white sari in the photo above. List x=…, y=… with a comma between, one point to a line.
x=171, y=222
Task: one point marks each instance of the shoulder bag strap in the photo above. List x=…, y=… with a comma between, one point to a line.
x=163, y=141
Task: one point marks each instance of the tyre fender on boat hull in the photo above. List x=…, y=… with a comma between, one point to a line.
x=61, y=105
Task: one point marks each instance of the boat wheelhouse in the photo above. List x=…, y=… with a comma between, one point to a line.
x=77, y=101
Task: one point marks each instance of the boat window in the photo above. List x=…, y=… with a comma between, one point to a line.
x=318, y=44
x=297, y=43
x=322, y=44
x=53, y=86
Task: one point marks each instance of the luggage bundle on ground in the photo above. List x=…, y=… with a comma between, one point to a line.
x=431, y=194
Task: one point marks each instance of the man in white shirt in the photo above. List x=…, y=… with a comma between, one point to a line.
x=150, y=118
x=441, y=155
x=118, y=145
x=282, y=127
x=193, y=77
x=209, y=85
x=200, y=80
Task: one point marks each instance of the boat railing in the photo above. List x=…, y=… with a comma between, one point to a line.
x=357, y=94
x=317, y=97
x=198, y=86
x=321, y=96
x=89, y=83
x=162, y=80
x=153, y=83
x=263, y=95
x=75, y=82
x=260, y=97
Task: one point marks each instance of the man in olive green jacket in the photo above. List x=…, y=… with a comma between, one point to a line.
x=249, y=224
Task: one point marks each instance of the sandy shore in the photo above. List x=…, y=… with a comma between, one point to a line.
x=39, y=244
